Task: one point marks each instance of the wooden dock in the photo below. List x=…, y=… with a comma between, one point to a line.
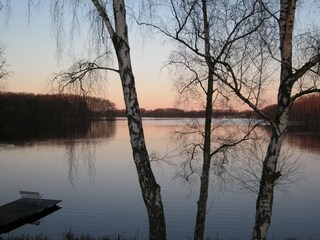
x=22, y=211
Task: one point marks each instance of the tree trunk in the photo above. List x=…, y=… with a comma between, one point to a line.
x=279, y=128
x=149, y=187
x=204, y=182
x=267, y=183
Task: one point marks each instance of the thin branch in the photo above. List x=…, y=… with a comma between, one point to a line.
x=240, y=95
x=83, y=73
x=105, y=18
x=305, y=68
x=230, y=41
x=268, y=11
x=227, y=145
x=195, y=79
x=183, y=42
x=304, y=92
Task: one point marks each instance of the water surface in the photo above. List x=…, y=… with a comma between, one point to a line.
x=91, y=169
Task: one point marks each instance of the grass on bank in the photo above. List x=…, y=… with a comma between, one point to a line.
x=118, y=237
x=72, y=236
x=65, y=236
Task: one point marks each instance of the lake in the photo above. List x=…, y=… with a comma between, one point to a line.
x=90, y=168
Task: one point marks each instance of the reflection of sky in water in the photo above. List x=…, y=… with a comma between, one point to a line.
x=103, y=196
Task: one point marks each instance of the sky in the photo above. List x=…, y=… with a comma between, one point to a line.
x=30, y=51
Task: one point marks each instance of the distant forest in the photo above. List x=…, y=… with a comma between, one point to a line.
x=52, y=107
x=179, y=113
x=305, y=112
x=67, y=107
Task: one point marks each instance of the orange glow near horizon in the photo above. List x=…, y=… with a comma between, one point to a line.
x=32, y=61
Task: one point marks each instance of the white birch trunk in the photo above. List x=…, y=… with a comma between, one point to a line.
x=267, y=182
x=149, y=187
x=269, y=174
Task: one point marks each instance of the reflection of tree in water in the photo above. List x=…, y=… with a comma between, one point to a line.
x=185, y=155
x=84, y=149
x=102, y=129
x=239, y=166
x=21, y=132
x=300, y=137
x=77, y=152
x=78, y=137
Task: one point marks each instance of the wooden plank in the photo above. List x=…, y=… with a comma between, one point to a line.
x=19, y=211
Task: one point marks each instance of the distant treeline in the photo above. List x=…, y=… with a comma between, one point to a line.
x=60, y=107
x=305, y=112
x=179, y=113
x=52, y=107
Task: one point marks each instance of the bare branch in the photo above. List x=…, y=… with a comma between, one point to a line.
x=304, y=92
x=233, y=143
x=103, y=13
x=238, y=92
x=180, y=59
x=305, y=68
x=4, y=74
x=83, y=77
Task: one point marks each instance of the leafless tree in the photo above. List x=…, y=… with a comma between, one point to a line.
x=107, y=21
x=212, y=36
x=297, y=78
x=235, y=44
x=3, y=71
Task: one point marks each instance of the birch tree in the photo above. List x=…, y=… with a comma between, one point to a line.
x=241, y=54
x=290, y=76
x=109, y=18
x=211, y=35
x=299, y=76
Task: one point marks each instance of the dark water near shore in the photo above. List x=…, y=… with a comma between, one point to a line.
x=90, y=168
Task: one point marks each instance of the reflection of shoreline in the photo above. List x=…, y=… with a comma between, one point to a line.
x=20, y=133
x=304, y=140
x=300, y=138
x=28, y=132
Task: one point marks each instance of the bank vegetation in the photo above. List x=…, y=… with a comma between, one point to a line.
x=67, y=107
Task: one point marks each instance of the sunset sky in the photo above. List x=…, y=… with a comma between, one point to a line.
x=30, y=50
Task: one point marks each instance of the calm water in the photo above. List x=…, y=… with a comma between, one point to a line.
x=91, y=170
